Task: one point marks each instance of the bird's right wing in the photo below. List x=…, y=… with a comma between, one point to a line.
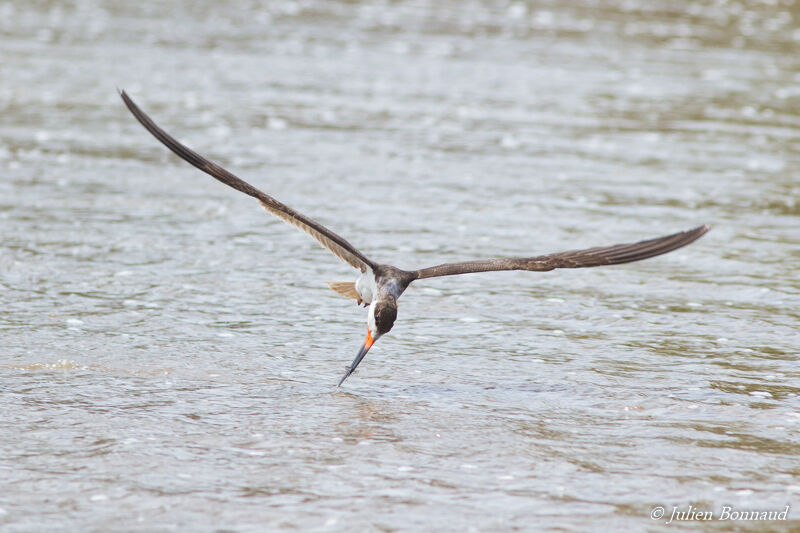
x=328, y=239
x=603, y=255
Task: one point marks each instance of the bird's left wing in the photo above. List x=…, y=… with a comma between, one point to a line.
x=328, y=239
x=603, y=255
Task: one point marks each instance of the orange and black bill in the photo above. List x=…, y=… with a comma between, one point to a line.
x=361, y=353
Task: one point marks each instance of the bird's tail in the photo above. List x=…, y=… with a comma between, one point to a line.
x=345, y=288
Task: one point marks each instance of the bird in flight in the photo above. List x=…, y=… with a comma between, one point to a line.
x=380, y=286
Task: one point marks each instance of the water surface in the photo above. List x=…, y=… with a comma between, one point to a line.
x=170, y=352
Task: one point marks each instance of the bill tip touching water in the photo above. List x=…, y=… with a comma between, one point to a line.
x=379, y=286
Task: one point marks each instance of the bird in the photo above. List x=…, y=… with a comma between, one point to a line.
x=379, y=285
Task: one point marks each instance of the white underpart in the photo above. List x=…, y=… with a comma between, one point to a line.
x=366, y=287
x=371, y=322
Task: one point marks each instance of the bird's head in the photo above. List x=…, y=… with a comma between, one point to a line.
x=380, y=319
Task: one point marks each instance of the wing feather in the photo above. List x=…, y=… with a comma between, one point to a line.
x=328, y=239
x=602, y=255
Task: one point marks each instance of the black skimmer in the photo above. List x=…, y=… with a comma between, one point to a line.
x=380, y=286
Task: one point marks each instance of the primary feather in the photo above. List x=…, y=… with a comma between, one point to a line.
x=328, y=239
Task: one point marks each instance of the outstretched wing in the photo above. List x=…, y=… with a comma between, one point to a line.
x=333, y=242
x=604, y=255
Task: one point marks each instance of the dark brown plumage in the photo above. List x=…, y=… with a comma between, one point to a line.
x=381, y=285
x=330, y=240
x=601, y=255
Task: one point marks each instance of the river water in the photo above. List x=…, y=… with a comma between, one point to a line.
x=170, y=352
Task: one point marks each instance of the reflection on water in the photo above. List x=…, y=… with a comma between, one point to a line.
x=169, y=353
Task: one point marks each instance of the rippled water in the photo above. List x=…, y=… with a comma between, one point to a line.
x=169, y=352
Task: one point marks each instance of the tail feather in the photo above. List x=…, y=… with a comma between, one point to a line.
x=345, y=288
